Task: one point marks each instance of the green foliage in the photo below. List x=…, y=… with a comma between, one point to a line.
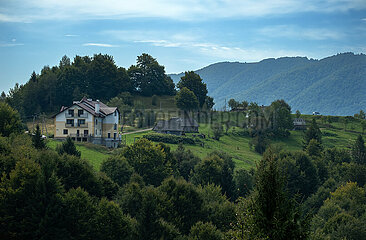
x=205, y=231
x=68, y=147
x=343, y=215
x=154, y=100
x=186, y=100
x=118, y=169
x=218, y=130
x=281, y=116
x=186, y=203
x=9, y=120
x=169, y=138
x=38, y=141
x=273, y=212
x=185, y=161
x=313, y=132
x=149, y=77
x=149, y=161
x=244, y=182
x=358, y=151
x=194, y=83
x=301, y=174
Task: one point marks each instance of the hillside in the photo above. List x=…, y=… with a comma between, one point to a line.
x=334, y=85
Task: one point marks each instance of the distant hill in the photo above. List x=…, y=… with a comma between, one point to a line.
x=334, y=85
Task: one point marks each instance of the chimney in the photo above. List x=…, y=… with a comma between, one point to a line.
x=97, y=106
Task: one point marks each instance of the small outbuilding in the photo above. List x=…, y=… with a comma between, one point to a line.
x=176, y=126
x=299, y=124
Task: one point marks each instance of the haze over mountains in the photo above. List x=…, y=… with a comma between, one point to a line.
x=334, y=85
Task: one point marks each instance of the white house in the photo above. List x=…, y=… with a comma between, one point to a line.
x=88, y=120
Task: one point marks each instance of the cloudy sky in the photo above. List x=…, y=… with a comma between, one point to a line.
x=182, y=35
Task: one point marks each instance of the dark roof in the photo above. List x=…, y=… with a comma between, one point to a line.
x=89, y=106
x=175, y=124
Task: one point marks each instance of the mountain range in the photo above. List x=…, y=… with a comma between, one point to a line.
x=334, y=85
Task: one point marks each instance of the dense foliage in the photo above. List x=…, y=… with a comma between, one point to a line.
x=97, y=77
x=148, y=191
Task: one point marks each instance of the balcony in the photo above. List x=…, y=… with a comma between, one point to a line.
x=80, y=135
x=83, y=115
x=80, y=125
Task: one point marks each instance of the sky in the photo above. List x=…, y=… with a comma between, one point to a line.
x=181, y=35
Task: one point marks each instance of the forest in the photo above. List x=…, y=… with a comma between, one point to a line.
x=97, y=77
x=146, y=190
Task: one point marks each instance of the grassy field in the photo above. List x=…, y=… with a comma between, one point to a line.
x=339, y=133
x=95, y=154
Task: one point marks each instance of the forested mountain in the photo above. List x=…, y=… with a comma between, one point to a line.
x=334, y=85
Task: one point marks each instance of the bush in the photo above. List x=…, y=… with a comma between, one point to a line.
x=168, y=138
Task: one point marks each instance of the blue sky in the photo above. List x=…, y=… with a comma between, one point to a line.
x=182, y=35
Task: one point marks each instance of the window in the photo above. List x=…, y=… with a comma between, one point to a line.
x=114, y=136
x=66, y=131
x=115, y=126
x=80, y=112
x=109, y=135
x=86, y=132
x=71, y=112
x=70, y=122
x=96, y=121
x=81, y=122
x=96, y=131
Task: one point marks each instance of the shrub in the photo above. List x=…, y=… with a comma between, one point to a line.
x=169, y=138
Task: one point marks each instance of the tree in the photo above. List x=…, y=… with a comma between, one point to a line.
x=314, y=148
x=68, y=147
x=298, y=114
x=149, y=77
x=343, y=215
x=194, y=82
x=9, y=120
x=118, y=169
x=218, y=131
x=363, y=126
x=244, y=182
x=111, y=223
x=233, y=104
x=185, y=161
x=149, y=161
x=37, y=140
x=281, y=116
x=209, y=103
x=358, y=151
x=206, y=231
x=313, y=132
x=186, y=203
x=273, y=213
x=186, y=100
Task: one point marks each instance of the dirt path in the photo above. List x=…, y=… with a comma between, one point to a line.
x=142, y=130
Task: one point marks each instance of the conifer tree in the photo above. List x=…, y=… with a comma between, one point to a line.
x=37, y=140
x=358, y=151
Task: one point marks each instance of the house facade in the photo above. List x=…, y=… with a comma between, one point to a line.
x=176, y=126
x=88, y=121
x=299, y=124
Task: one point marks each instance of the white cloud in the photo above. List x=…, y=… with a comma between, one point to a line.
x=294, y=32
x=71, y=35
x=11, y=44
x=99, y=45
x=173, y=9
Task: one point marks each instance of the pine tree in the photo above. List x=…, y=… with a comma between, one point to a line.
x=68, y=147
x=37, y=140
x=358, y=151
x=313, y=132
x=273, y=213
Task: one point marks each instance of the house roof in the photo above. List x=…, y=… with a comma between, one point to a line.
x=175, y=124
x=89, y=106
